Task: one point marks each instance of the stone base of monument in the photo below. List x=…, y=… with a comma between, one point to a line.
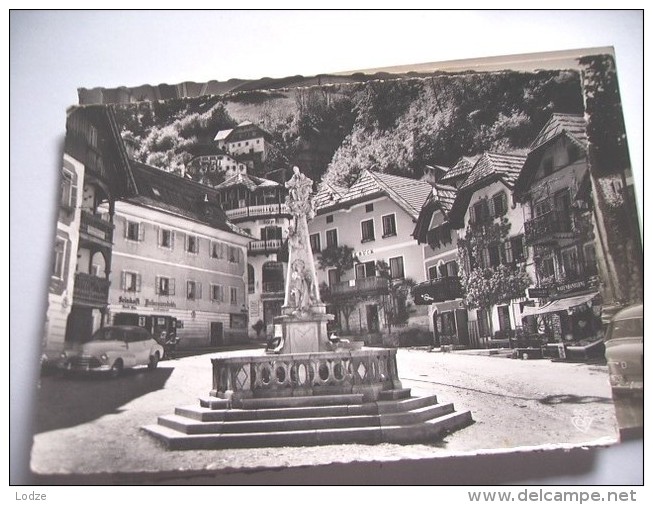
x=337, y=397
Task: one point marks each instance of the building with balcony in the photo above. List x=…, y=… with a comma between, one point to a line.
x=442, y=291
x=258, y=206
x=375, y=217
x=179, y=266
x=560, y=229
x=492, y=251
x=95, y=173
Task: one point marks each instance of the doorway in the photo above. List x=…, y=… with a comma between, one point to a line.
x=217, y=334
x=372, y=313
x=436, y=331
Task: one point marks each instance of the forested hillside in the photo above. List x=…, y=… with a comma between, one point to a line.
x=334, y=131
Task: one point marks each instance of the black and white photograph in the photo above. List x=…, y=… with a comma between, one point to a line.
x=432, y=262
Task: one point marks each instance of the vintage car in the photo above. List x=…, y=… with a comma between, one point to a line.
x=112, y=349
x=624, y=351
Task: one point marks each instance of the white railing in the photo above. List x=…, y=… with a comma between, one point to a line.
x=265, y=245
x=258, y=210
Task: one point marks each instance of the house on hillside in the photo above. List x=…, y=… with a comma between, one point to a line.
x=375, y=217
x=258, y=206
x=210, y=165
x=495, y=265
x=179, y=264
x=95, y=172
x=247, y=142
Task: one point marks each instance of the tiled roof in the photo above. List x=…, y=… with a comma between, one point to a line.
x=460, y=169
x=251, y=182
x=179, y=196
x=571, y=124
x=441, y=197
x=408, y=193
x=503, y=165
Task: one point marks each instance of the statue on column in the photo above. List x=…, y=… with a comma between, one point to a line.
x=302, y=294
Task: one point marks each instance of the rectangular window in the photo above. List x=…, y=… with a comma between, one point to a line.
x=233, y=295
x=166, y=238
x=193, y=290
x=165, y=286
x=589, y=252
x=217, y=250
x=233, y=254
x=329, y=218
x=68, y=190
x=369, y=207
x=367, y=230
x=433, y=272
x=367, y=269
x=494, y=256
x=58, y=260
x=134, y=231
x=547, y=269
x=334, y=277
x=500, y=204
x=131, y=282
x=542, y=207
x=217, y=293
x=480, y=212
x=332, y=238
x=452, y=269
x=192, y=244
x=504, y=318
x=397, y=267
x=315, y=242
x=570, y=263
x=389, y=226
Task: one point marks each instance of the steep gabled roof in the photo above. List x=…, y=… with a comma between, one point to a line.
x=179, y=196
x=408, y=193
x=459, y=171
x=442, y=197
x=573, y=125
x=250, y=182
x=570, y=126
x=495, y=165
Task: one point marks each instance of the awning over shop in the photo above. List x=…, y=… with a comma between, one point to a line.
x=557, y=305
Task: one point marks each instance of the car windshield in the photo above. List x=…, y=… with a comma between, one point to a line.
x=108, y=334
x=626, y=328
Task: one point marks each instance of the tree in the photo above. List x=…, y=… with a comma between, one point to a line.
x=485, y=284
x=395, y=300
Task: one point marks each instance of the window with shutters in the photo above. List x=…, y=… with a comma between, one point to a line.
x=68, y=190
x=217, y=250
x=397, y=267
x=367, y=269
x=193, y=290
x=367, y=230
x=389, y=226
x=217, y=293
x=499, y=204
x=58, y=260
x=433, y=272
x=334, y=277
x=233, y=295
x=166, y=238
x=315, y=242
x=134, y=231
x=480, y=212
x=165, y=286
x=234, y=254
x=131, y=282
x=332, y=238
x=192, y=244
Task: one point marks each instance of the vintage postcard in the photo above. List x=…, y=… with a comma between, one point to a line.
x=418, y=263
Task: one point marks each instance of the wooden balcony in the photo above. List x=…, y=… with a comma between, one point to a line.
x=364, y=286
x=95, y=229
x=437, y=290
x=265, y=246
x=550, y=227
x=90, y=290
x=270, y=209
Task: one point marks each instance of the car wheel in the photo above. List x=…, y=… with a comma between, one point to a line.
x=154, y=361
x=116, y=369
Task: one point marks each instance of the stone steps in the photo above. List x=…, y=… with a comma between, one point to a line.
x=315, y=420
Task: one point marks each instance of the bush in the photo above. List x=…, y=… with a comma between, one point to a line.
x=413, y=337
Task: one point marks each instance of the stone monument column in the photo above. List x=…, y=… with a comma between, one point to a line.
x=304, y=316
